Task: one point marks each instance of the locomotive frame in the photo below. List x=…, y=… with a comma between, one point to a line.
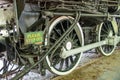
x=66, y=29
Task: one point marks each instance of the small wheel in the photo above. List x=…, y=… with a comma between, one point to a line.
x=106, y=31
x=56, y=63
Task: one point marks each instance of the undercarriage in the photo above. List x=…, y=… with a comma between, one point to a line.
x=53, y=34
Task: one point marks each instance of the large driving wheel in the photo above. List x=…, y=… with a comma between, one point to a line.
x=106, y=31
x=57, y=64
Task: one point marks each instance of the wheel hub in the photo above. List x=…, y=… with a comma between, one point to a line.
x=68, y=45
x=110, y=34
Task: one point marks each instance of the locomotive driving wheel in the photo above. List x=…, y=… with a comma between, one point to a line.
x=56, y=63
x=106, y=31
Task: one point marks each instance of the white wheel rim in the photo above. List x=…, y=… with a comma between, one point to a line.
x=82, y=40
x=100, y=48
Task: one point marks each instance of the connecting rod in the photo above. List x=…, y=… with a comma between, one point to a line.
x=66, y=54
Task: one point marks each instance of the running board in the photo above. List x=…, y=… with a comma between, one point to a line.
x=66, y=54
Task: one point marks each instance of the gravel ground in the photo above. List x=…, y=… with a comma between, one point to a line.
x=87, y=57
x=104, y=68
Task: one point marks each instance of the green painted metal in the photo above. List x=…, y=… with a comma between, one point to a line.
x=106, y=30
x=56, y=45
x=17, y=15
x=71, y=10
x=82, y=15
x=31, y=60
x=19, y=7
x=69, y=43
x=33, y=37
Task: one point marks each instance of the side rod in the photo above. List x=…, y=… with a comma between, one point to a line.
x=66, y=54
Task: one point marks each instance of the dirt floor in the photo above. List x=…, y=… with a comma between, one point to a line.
x=104, y=68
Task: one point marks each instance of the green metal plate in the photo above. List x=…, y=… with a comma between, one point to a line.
x=33, y=37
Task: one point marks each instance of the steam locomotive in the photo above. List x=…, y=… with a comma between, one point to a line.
x=53, y=34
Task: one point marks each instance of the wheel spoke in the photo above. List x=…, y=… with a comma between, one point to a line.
x=53, y=38
x=75, y=41
x=71, y=34
x=71, y=59
x=108, y=26
x=56, y=62
x=68, y=24
x=106, y=48
x=104, y=31
x=74, y=35
x=104, y=36
x=62, y=26
x=74, y=47
x=57, y=31
x=67, y=62
x=61, y=64
x=105, y=26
